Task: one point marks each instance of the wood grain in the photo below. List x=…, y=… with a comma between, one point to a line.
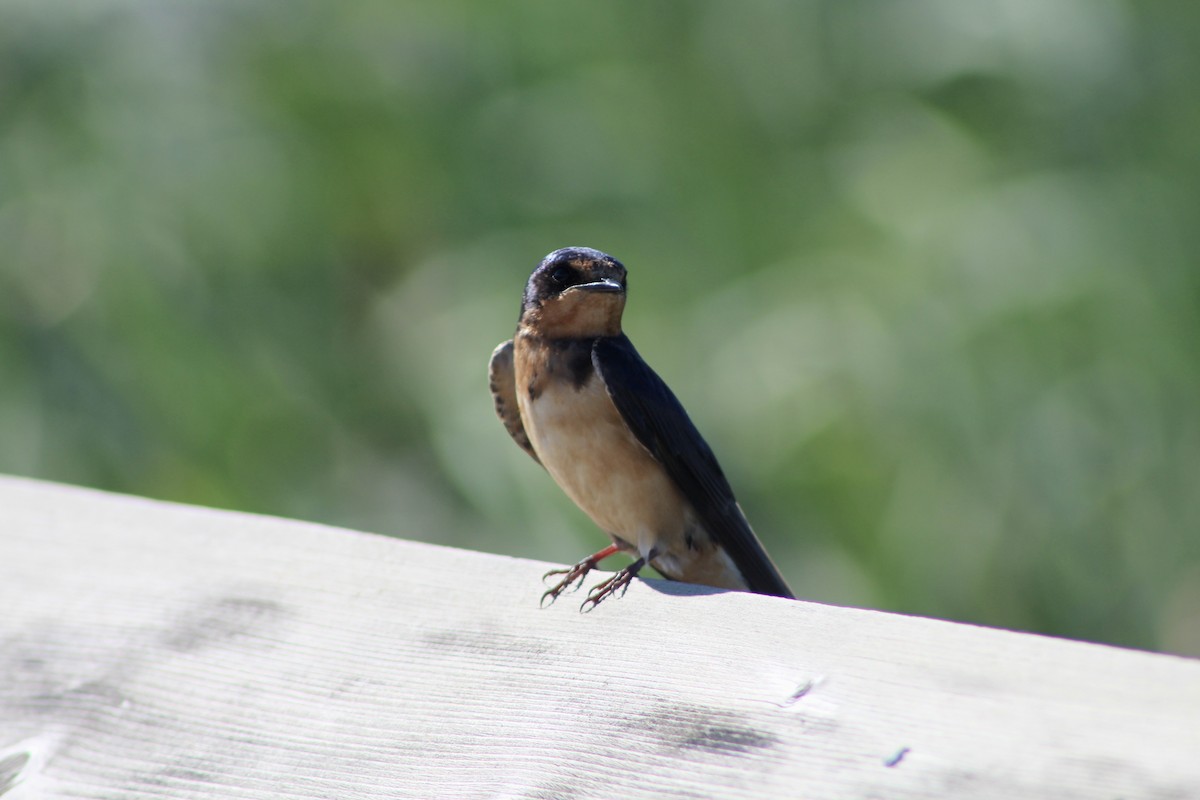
x=150, y=650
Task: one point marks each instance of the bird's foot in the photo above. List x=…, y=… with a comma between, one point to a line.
x=619, y=582
x=574, y=574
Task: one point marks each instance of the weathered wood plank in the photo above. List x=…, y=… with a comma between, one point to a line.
x=151, y=651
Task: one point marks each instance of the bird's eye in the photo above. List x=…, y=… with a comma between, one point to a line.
x=561, y=275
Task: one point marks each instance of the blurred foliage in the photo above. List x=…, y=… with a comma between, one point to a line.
x=925, y=273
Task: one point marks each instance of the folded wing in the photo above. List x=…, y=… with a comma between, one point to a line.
x=662, y=426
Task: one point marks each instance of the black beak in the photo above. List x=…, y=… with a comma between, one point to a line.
x=603, y=285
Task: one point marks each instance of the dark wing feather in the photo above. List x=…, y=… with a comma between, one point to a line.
x=503, y=380
x=662, y=426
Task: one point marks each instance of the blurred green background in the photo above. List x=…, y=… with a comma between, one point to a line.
x=924, y=273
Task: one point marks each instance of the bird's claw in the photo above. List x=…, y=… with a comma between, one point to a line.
x=572, y=575
x=619, y=582
x=575, y=575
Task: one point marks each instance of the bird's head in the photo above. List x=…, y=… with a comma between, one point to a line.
x=576, y=292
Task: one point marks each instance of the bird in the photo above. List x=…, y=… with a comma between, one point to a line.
x=574, y=394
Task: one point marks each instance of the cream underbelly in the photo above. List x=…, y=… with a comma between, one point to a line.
x=586, y=447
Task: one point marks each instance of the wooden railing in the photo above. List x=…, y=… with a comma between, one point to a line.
x=150, y=650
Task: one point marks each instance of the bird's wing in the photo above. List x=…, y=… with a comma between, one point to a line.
x=662, y=426
x=502, y=378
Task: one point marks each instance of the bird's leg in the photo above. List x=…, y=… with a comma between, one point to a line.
x=575, y=573
x=618, y=582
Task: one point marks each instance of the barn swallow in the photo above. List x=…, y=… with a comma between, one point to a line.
x=573, y=392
